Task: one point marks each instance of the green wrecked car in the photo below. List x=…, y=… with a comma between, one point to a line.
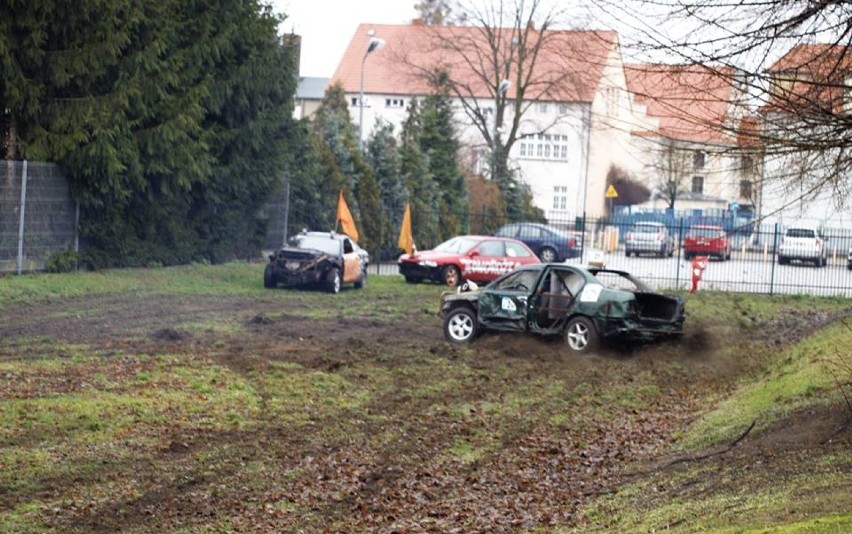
x=584, y=306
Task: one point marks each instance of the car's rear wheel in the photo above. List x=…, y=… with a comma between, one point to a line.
x=547, y=255
x=460, y=325
x=269, y=277
x=581, y=336
x=451, y=275
x=332, y=281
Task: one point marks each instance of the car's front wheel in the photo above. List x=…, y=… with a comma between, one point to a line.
x=332, y=281
x=269, y=277
x=451, y=275
x=581, y=336
x=460, y=325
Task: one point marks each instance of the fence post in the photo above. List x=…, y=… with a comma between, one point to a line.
x=679, y=243
x=23, y=217
x=775, y=244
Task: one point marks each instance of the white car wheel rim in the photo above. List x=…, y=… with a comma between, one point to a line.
x=578, y=337
x=336, y=284
x=461, y=327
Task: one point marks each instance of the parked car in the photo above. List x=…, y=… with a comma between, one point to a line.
x=803, y=241
x=550, y=244
x=584, y=306
x=706, y=240
x=322, y=259
x=649, y=237
x=467, y=257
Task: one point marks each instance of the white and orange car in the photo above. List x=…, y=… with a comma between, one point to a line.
x=322, y=259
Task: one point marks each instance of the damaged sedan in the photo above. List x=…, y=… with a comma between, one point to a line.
x=318, y=259
x=584, y=306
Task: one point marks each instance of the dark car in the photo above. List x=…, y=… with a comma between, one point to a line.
x=706, y=240
x=467, y=257
x=582, y=305
x=320, y=259
x=550, y=244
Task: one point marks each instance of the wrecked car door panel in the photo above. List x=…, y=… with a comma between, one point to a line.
x=503, y=304
x=351, y=267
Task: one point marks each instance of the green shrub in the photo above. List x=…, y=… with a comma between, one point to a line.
x=62, y=262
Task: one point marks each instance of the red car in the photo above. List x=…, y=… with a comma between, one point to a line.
x=466, y=257
x=707, y=240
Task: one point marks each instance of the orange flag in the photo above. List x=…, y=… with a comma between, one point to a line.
x=347, y=223
x=406, y=240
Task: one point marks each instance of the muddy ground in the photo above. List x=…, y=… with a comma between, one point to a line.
x=540, y=478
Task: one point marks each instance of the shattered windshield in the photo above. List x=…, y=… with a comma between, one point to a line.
x=324, y=244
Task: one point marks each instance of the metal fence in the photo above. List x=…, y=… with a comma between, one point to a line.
x=37, y=215
x=753, y=265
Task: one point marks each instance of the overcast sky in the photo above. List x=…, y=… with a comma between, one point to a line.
x=327, y=26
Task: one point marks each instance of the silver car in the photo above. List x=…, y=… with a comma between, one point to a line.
x=648, y=237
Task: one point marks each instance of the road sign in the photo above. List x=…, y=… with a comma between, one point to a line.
x=611, y=192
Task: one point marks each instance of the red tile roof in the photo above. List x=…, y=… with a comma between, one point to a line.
x=811, y=78
x=690, y=101
x=391, y=70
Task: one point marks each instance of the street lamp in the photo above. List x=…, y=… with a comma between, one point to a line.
x=375, y=44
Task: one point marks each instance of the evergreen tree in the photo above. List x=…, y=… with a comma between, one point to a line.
x=415, y=173
x=438, y=141
x=169, y=117
x=345, y=168
x=384, y=157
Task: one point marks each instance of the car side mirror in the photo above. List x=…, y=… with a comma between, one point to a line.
x=473, y=253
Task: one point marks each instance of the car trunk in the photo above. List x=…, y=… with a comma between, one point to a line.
x=657, y=307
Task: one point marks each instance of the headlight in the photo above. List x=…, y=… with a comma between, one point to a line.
x=428, y=263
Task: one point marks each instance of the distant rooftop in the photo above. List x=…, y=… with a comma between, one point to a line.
x=311, y=88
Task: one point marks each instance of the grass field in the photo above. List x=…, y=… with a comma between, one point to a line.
x=190, y=399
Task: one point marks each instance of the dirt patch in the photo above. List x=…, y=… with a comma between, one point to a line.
x=437, y=461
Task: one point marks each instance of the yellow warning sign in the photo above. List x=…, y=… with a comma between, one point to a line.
x=611, y=192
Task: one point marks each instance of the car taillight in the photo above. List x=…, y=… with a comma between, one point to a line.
x=629, y=235
x=659, y=237
x=818, y=243
x=572, y=243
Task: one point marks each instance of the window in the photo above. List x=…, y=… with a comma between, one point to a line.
x=565, y=152
x=547, y=150
x=514, y=250
x=491, y=248
x=539, y=150
x=745, y=189
x=563, y=109
x=560, y=197
x=542, y=108
x=354, y=101
x=698, y=184
x=394, y=103
x=748, y=165
x=698, y=160
x=523, y=149
x=521, y=280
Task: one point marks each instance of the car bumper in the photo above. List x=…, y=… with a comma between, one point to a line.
x=415, y=270
x=704, y=251
x=654, y=246
x=288, y=277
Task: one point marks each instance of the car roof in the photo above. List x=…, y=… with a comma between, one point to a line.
x=712, y=226
x=648, y=223
x=330, y=235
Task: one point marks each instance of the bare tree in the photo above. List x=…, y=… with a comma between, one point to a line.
x=795, y=58
x=672, y=170
x=507, y=58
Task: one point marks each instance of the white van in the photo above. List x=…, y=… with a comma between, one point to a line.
x=803, y=241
